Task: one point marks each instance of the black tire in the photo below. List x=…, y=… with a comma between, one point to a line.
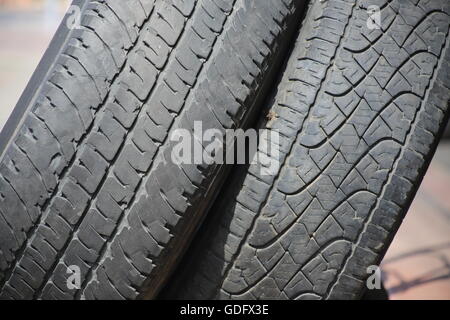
x=359, y=113
x=83, y=176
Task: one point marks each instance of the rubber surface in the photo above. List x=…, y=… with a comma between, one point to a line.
x=84, y=178
x=360, y=112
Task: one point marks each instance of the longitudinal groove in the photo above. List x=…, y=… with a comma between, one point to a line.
x=91, y=273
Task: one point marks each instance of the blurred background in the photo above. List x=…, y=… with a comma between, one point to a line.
x=417, y=265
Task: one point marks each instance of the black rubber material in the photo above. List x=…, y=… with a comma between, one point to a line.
x=360, y=112
x=85, y=178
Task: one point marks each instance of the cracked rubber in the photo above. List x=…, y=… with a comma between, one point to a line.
x=359, y=112
x=84, y=176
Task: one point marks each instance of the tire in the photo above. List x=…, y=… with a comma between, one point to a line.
x=84, y=181
x=359, y=113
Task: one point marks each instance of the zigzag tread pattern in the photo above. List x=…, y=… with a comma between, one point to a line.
x=359, y=112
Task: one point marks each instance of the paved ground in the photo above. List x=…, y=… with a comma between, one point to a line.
x=23, y=40
x=417, y=265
